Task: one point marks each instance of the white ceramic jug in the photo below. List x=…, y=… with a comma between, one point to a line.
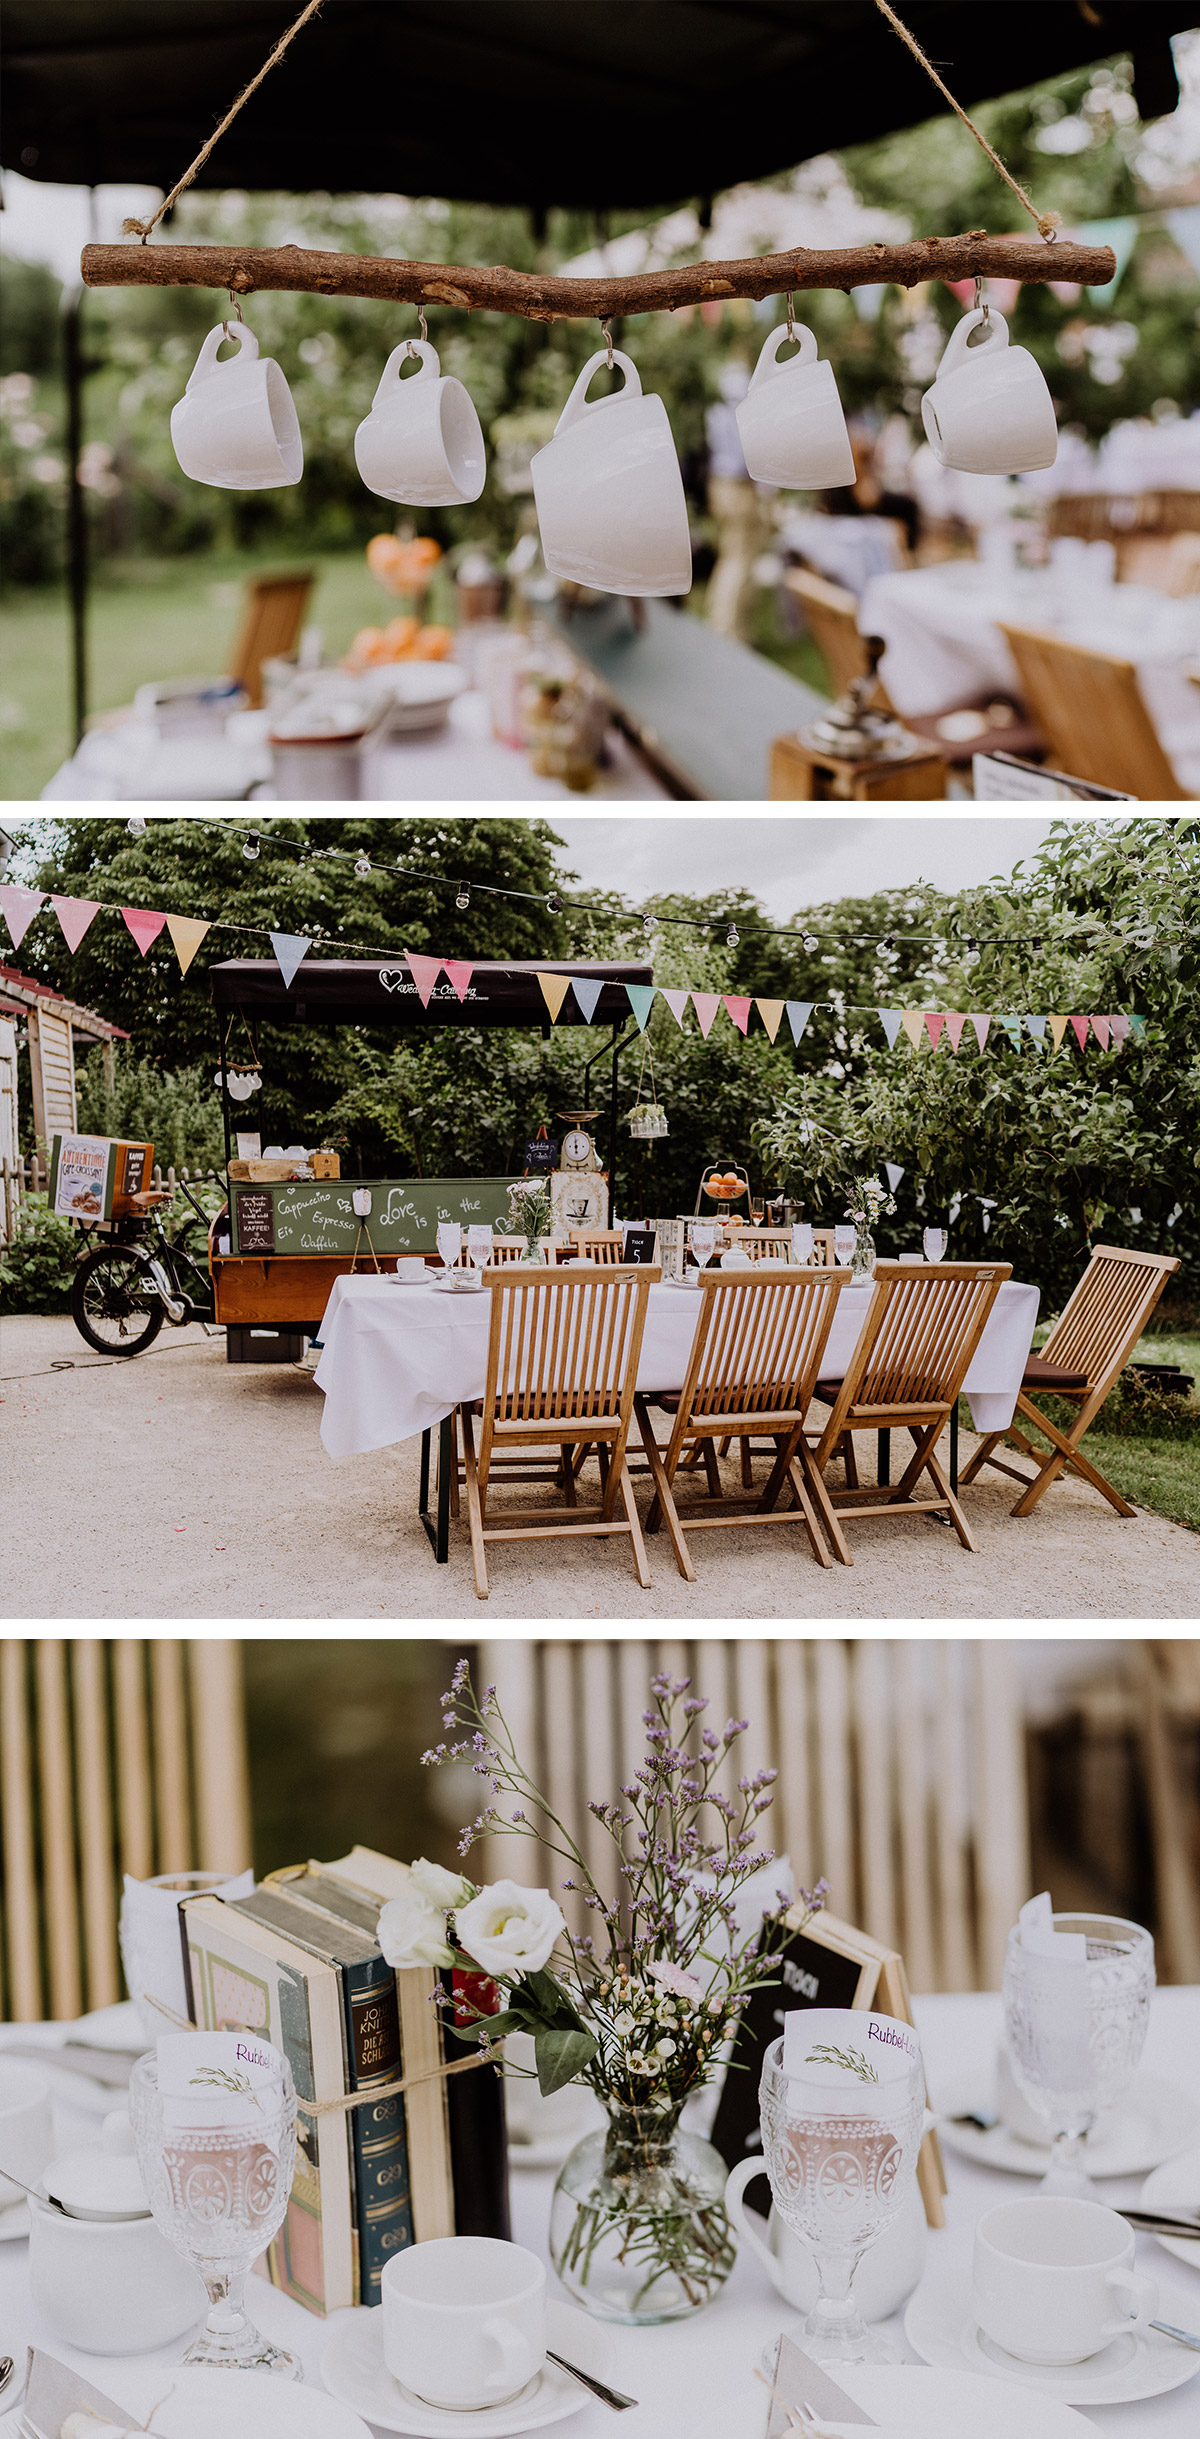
x=108, y=2285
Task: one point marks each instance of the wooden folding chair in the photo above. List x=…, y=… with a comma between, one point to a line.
x=274, y=615
x=923, y=1325
x=832, y=615
x=753, y=1365
x=562, y=1367
x=1089, y=707
x=1091, y=1341
x=508, y=1249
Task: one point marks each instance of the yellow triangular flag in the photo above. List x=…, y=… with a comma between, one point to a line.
x=770, y=1010
x=554, y=990
x=1058, y=1026
x=913, y=1022
x=187, y=935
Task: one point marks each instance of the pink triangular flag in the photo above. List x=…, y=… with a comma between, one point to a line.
x=981, y=1024
x=424, y=971
x=18, y=907
x=458, y=974
x=739, y=1009
x=933, y=1025
x=954, y=1026
x=144, y=925
x=1079, y=1026
x=1120, y=1028
x=706, y=1004
x=1100, y=1028
x=74, y=916
x=677, y=1003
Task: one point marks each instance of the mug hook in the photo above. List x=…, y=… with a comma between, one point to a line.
x=606, y=334
x=980, y=299
x=791, y=318
x=236, y=303
x=411, y=350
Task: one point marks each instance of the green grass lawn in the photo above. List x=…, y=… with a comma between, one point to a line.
x=1161, y=1474
x=152, y=619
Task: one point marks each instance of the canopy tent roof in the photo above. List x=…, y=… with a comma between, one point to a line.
x=598, y=104
x=381, y=991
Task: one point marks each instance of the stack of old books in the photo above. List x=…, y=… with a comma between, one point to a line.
x=298, y=1962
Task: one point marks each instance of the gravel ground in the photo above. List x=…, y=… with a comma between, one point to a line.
x=230, y=1509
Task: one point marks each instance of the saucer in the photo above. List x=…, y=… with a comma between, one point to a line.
x=1172, y=2186
x=915, y=2402
x=233, y=2405
x=1151, y=2122
x=940, y=2325
x=353, y=2369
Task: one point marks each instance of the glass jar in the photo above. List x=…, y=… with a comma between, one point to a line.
x=638, y=2228
x=862, y=1262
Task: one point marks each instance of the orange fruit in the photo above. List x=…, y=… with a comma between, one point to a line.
x=433, y=644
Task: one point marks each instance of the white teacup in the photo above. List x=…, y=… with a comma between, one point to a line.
x=792, y=427
x=235, y=425
x=26, y=2129
x=422, y=443
x=1054, y=2279
x=886, y=2275
x=464, y=2320
x=609, y=492
x=989, y=411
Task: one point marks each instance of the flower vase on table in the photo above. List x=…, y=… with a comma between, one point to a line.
x=641, y=2007
x=531, y=1215
x=869, y=1199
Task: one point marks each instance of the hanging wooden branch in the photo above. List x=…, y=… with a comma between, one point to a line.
x=242, y=269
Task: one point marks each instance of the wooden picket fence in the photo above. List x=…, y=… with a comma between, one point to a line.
x=32, y=1176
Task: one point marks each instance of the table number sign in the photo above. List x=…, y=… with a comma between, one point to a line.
x=639, y=1246
x=827, y=1964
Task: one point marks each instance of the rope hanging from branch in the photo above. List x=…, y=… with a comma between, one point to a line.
x=145, y=228
x=1048, y=222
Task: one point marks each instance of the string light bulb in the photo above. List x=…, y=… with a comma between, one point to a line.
x=732, y=936
x=554, y=903
x=811, y=943
x=136, y=825
x=463, y=897
x=250, y=846
x=362, y=866
x=649, y=925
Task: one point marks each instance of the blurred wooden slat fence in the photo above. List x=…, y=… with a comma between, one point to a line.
x=114, y=1756
x=32, y=1176
x=901, y=1772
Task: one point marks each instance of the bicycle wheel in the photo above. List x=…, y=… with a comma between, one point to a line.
x=113, y=1306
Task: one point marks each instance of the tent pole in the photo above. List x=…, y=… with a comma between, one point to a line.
x=77, y=530
x=618, y=1044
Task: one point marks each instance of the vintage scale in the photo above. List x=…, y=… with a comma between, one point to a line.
x=579, y=1185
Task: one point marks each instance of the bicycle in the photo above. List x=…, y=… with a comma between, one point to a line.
x=124, y=1291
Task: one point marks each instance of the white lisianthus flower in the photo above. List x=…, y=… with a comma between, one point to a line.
x=509, y=1930
x=672, y=1977
x=446, y=1890
x=413, y=1932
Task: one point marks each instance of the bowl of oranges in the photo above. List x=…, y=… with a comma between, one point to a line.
x=725, y=1185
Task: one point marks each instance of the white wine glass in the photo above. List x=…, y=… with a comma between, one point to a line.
x=935, y=1241
x=704, y=1239
x=802, y=1241
x=449, y=1242
x=845, y=1239
x=219, y=2193
x=1069, y=2081
x=479, y=1246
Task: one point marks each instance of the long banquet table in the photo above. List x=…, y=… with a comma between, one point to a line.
x=694, y=2380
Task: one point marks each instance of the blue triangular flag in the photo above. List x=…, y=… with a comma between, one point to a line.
x=890, y=1019
x=1122, y=235
x=587, y=993
x=798, y=1013
x=641, y=1000
x=290, y=948
x=1185, y=229
x=1037, y=1027
x=1012, y=1026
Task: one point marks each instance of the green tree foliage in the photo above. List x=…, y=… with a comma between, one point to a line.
x=130, y=1097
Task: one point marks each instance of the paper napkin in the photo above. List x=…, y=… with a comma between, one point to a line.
x=800, y=2381
x=1059, y=1989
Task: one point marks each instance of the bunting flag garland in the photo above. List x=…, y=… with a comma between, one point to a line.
x=954, y=1028
x=1119, y=1025
x=18, y=907
x=889, y=1018
x=1012, y=1026
x=290, y=950
x=587, y=994
x=641, y=997
x=74, y=916
x=893, y=1174
x=739, y=1010
x=1058, y=1026
x=981, y=1024
x=798, y=1013
x=934, y=1024
x=186, y=935
x=1100, y=1029
x=706, y=1004
x=1079, y=1027
x=677, y=1003
x=1037, y=1027
x=1137, y=1026
x=771, y=1012
x=912, y=1021
x=458, y=975
x=554, y=989
x=424, y=971
x=145, y=925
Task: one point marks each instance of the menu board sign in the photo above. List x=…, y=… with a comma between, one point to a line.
x=541, y=1153
x=134, y=1174
x=255, y=1223
x=82, y=1185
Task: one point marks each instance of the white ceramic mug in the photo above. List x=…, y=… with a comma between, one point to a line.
x=26, y=2128
x=235, y=425
x=887, y=2273
x=422, y=442
x=989, y=411
x=792, y=427
x=464, y=2320
x=1054, y=2279
x=609, y=492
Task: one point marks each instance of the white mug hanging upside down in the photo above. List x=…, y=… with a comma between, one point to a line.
x=989, y=411
x=422, y=443
x=236, y=425
x=609, y=492
x=790, y=422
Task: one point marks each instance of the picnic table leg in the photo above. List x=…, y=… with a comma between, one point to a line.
x=883, y=1470
x=439, y=1536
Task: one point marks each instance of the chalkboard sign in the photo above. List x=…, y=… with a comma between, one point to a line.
x=255, y=1223
x=640, y=1245
x=319, y=1217
x=813, y=1971
x=541, y=1152
x=135, y=1169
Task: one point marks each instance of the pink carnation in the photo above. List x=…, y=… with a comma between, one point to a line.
x=673, y=1978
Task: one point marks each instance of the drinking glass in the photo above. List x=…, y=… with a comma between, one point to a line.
x=844, y=1241
x=219, y=2194
x=704, y=1238
x=479, y=1246
x=841, y=2163
x=449, y=1242
x=935, y=1241
x=802, y=1241
x=1066, y=2082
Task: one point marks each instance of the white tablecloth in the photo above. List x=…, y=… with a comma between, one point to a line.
x=695, y=2380
x=397, y=1359
x=941, y=627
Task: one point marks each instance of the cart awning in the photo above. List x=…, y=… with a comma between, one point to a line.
x=381, y=991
